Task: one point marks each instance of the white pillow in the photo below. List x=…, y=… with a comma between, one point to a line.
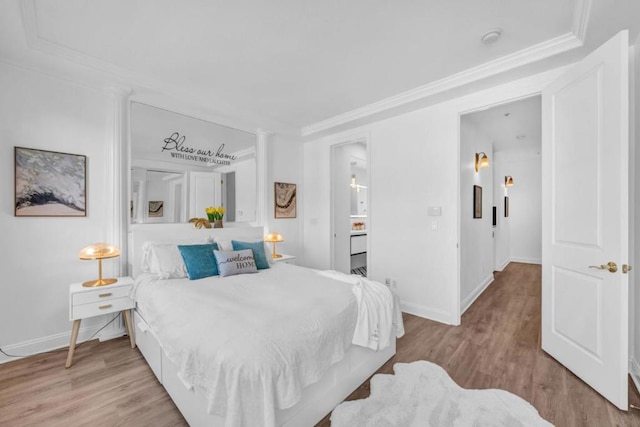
x=163, y=260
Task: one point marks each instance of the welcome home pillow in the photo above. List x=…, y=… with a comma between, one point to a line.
x=258, y=252
x=199, y=260
x=231, y=263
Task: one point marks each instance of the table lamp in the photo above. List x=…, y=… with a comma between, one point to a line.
x=274, y=238
x=99, y=251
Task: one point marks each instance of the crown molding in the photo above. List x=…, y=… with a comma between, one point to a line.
x=522, y=57
x=581, y=13
x=227, y=115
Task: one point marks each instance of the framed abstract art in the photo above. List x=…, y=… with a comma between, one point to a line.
x=49, y=183
x=284, y=200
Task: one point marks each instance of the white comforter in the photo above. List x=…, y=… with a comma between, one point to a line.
x=256, y=339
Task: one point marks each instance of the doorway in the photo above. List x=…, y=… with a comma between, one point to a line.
x=507, y=192
x=350, y=207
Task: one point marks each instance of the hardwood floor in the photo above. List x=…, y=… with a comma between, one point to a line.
x=497, y=346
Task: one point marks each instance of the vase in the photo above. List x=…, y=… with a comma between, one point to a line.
x=217, y=223
x=210, y=218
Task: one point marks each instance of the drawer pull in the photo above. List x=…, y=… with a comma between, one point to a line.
x=103, y=307
x=108, y=294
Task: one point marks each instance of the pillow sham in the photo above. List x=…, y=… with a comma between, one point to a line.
x=258, y=252
x=231, y=263
x=199, y=260
x=163, y=260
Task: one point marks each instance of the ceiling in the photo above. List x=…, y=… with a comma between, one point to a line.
x=299, y=64
x=516, y=126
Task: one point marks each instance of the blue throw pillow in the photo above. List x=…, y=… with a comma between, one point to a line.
x=258, y=252
x=199, y=260
x=235, y=262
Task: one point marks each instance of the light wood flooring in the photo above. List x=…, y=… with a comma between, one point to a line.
x=497, y=346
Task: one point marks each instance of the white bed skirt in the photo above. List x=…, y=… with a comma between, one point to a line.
x=317, y=400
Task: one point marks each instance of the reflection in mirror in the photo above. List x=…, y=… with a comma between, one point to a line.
x=180, y=165
x=358, y=185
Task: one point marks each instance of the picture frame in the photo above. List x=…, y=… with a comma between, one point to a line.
x=156, y=209
x=506, y=206
x=284, y=200
x=49, y=183
x=477, y=201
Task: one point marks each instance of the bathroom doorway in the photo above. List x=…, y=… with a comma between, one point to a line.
x=350, y=207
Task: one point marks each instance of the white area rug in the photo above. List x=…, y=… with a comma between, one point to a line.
x=422, y=394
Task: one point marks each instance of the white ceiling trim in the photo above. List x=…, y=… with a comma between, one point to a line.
x=122, y=76
x=581, y=14
x=540, y=51
x=523, y=57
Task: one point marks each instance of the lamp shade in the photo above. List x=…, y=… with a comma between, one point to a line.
x=99, y=251
x=482, y=161
x=274, y=238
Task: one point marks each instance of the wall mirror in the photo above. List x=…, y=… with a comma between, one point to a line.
x=180, y=165
x=359, y=179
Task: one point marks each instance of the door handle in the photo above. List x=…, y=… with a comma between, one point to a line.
x=626, y=268
x=611, y=266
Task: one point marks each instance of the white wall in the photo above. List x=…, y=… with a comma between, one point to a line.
x=39, y=255
x=284, y=164
x=476, y=234
x=502, y=231
x=414, y=164
x=525, y=212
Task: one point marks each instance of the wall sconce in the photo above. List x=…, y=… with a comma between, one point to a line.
x=508, y=181
x=482, y=161
x=274, y=238
x=355, y=185
x=99, y=251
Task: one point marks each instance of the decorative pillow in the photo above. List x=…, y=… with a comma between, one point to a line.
x=224, y=244
x=231, y=263
x=199, y=260
x=258, y=252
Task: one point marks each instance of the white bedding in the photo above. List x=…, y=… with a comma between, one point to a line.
x=255, y=358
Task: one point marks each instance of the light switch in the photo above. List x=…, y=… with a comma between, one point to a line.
x=434, y=225
x=434, y=211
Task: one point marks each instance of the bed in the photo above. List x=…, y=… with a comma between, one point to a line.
x=256, y=373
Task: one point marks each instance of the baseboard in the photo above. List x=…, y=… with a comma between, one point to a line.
x=466, y=303
x=503, y=265
x=57, y=341
x=526, y=260
x=427, y=313
x=634, y=371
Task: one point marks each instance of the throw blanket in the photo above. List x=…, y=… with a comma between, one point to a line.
x=378, y=311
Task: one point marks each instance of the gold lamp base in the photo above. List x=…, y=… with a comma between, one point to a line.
x=276, y=256
x=99, y=282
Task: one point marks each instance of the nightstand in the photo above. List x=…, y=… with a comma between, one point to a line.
x=89, y=302
x=287, y=259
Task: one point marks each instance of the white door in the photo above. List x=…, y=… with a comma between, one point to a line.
x=585, y=146
x=205, y=189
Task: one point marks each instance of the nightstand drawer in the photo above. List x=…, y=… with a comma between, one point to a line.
x=83, y=311
x=106, y=293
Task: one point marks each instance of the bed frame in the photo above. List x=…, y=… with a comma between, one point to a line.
x=317, y=400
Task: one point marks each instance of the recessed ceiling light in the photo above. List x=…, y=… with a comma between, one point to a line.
x=521, y=137
x=491, y=36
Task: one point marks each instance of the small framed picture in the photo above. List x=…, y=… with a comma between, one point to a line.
x=506, y=206
x=156, y=209
x=477, y=201
x=48, y=183
x=284, y=199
